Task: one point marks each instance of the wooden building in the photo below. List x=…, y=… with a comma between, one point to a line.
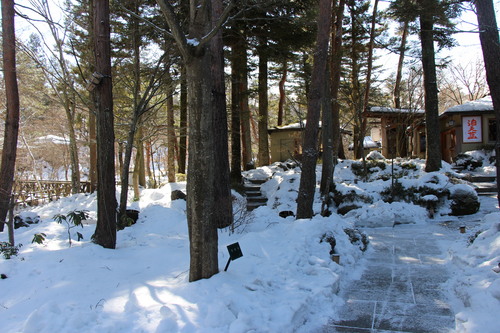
x=466, y=127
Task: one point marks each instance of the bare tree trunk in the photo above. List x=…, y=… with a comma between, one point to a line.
x=336, y=67
x=399, y=72
x=305, y=197
x=222, y=188
x=171, y=140
x=105, y=232
x=246, y=137
x=263, y=157
x=327, y=138
x=236, y=111
x=202, y=167
x=183, y=123
x=93, y=150
x=281, y=85
x=433, y=146
x=9, y=151
x=488, y=34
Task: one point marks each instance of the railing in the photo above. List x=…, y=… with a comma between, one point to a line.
x=33, y=193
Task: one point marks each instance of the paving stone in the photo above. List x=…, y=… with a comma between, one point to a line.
x=399, y=290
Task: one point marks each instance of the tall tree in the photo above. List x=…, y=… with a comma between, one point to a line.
x=9, y=151
x=305, y=197
x=488, y=35
x=434, y=17
x=432, y=136
x=263, y=156
x=196, y=50
x=105, y=232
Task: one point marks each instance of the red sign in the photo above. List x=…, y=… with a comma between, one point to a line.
x=471, y=129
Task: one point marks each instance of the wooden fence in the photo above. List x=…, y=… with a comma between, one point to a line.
x=33, y=193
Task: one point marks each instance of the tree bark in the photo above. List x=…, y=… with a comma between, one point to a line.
x=305, y=197
x=335, y=72
x=281, y=86
x=433, y=146
x=183, y=123
x=9, y=151
x=171, y=140
x=399, y=72
x=236, y=111
x=105, y=232
x=490, y=44
x=222, y=188
x=202, y=217
x=263, y=157
x=246, y=137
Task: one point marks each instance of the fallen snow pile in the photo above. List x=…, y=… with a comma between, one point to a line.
x=475, y=282
x=284, y=277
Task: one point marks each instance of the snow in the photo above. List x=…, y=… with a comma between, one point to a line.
x=58, y=140
x=285, y=281
x=483, y=104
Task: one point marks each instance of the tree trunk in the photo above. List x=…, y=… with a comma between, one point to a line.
x=171, y=140
x=399, y=72
x=9, y=151
x=93, y=150
x=433, y=146
x=183, y=123
x=305, y=197
x=327, y=138
x=336, y=69
x=281, y=86
x=490, y=44
x=236, y=103
x=263, y=157
x=246, y=137
x=105, y=232
x=223, y=215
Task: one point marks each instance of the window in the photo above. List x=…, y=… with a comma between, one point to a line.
x=492, y=130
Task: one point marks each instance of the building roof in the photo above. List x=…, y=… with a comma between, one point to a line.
x=377, y=111
x=480, y=105
x=300, y=126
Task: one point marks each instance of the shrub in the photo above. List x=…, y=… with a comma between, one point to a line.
x=8, y=250
x=72, y=219
x=357, y=237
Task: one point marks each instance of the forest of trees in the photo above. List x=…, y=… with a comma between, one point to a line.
x=144, y=91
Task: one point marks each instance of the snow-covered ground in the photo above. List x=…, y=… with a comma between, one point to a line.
x=286, y=280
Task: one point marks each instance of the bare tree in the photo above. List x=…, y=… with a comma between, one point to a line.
x=9, y=151
x=305, y=197
x=105, y=232
x=203, y=211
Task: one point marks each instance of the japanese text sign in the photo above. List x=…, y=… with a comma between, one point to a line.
x=472, y=129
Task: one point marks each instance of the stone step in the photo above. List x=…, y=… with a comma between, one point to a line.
x=253, y=193
x=252, y=205
x=260, y=199
x=255, y=181
x=483, y=179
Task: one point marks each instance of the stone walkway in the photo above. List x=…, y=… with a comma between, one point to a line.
x=399, y=291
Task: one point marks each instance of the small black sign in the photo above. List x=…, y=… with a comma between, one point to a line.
x=234, y=251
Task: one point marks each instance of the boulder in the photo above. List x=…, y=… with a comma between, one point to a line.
x=177, y=194
x=463, y=201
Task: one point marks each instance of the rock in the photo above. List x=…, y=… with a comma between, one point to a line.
x=464, y=203
x=347, y=208
x=177, y=194
x=25, y=219
x=286, y=213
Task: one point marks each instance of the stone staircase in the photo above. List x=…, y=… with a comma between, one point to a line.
x=254, y=196
x=484, y=185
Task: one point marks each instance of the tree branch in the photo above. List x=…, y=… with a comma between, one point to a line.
x=173, y=23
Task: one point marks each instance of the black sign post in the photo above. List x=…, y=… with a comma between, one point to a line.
x=234, y=253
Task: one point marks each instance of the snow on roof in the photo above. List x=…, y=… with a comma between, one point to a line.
x=394, y=110
x=301, y=125
x=483, y=104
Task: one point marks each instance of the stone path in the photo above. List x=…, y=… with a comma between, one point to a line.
x=399, y=291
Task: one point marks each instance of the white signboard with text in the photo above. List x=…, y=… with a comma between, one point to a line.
x=472, y=129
